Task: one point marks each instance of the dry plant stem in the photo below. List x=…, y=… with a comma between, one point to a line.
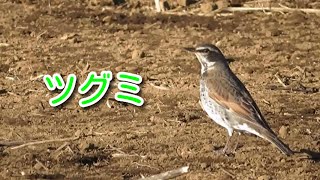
x=169, y=174
x=160, y=87
x=244, y=9
x=45, y=141
x=228, y=173
x=280, y=81
x=62, y=146
x=143, y=165
x=42, y=165
x=277, y=9
x=12, y=143
x=123, y=154
x=20, y=144
x=258, y=1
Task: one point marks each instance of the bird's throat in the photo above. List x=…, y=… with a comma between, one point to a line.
x=206, y=66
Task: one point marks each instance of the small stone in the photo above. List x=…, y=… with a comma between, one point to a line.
x=84, y=146
x=119, y=68
x=273, y=32
x=204, y=165
x=176, y=52
x=222, y=4
x=131, y=136
x=107, y=19
x=315, y=143
x=67, y=36
x=304, y=46
x=75, y=40
x=264, y=177
x=208, y=7
x=133, y=69
x=137, y=54
x=207, y=148
x=4, y=68
x=283, y=131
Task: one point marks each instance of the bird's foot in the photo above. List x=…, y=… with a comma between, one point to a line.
x=223, y=151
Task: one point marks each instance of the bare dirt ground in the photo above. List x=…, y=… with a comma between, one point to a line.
x=170, y=130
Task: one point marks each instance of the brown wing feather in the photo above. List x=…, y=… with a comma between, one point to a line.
x=231, y=93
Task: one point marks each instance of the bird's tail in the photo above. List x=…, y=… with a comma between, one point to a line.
x=271, y=137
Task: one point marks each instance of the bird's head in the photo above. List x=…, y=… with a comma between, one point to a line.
x=207, y=54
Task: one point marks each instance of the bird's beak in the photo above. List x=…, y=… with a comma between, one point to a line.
x=190, y=49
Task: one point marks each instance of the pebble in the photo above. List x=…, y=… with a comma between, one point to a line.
x=273, y=32
x=283, y=131
x=85, y=146
x=133, y=69
x=208, y=7
x=264, y=177
x=204, y=165
x=119, y=68
x=137, y=54
x=222, y=4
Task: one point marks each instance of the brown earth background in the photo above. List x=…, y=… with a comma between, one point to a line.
x=276, y=55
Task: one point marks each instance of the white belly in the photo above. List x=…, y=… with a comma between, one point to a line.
x=215, y=111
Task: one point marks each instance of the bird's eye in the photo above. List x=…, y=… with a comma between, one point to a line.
x=203, y=50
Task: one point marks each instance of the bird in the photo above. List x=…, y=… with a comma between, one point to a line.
x=226, y=100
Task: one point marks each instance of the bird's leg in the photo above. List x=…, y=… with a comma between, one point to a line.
x=224, y=150
x=236, y=144
x=226, y=147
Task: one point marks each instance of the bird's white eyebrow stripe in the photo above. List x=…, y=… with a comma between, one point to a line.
x=209, y=48
x=201, y=48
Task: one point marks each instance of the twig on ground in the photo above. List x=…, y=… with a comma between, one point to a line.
x=267, y=102
x=69, y=149
x=46, y=141
x=101, y=134
x=283, y=6
x=42, y=165
x=21, y=144
x=158, y=107
x=13, y=94
x=11, y=143
x=59, y=151
x=108, y=104
x=10, y=78
x=160, y=87
x=169, y=174
x=277, y=9
x=39, y=36
x=257, y=2
x=143, y=165
x=279, y=80
x=4, y=45
x=123, y=154
x=228, y=173
x=245, y=9
x=39, y=77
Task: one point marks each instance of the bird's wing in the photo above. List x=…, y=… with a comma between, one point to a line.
x=230, y=93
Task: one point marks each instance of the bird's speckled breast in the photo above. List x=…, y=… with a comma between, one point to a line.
x=215, y=111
